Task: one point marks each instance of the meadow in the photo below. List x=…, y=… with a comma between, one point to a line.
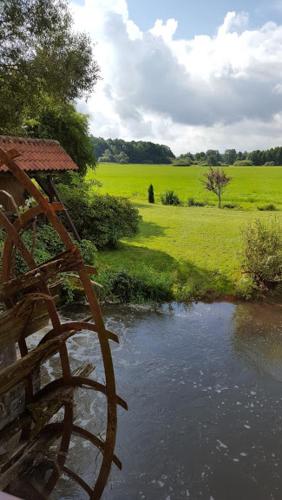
x=196, y=252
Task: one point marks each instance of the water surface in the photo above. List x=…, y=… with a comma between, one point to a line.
x=204, y=389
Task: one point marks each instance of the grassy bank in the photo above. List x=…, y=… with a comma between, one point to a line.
x=188, y=252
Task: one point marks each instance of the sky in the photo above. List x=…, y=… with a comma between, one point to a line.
x=191, y=74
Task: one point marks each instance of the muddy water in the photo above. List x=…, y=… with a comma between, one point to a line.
x=204, y=389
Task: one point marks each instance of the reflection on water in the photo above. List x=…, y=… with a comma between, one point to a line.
x=204, y=390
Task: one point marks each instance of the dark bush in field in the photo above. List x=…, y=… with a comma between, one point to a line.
x=263, y=253
x=194, y=203
x=269, y=207
x=269, y=164
x=170, y=198
x=230, y=205
x=102, y=219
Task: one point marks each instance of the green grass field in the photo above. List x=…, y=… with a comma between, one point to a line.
x=195, y=251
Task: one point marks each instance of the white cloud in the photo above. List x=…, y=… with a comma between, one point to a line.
x=191, y=94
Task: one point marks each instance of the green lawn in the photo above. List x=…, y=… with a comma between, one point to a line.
x=250, y=186
x=195, y=251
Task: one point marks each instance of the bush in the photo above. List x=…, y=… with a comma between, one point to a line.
x=243, y=163
x=269, y=164
x=120, y=286
x=269, y=207
x=182, y=162
x=44, y=243
x=263, y=253
x=102, y=219
x=230, y=205
x=170, y=198
x=194, y=203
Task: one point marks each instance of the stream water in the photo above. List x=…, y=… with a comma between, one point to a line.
x=204, y=389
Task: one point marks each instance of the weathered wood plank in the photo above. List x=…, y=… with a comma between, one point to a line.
x=64, y=262
x=38, y=414
x=19, y=371
x=25, y=318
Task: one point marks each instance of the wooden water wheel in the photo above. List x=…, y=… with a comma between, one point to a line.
x=36, y=419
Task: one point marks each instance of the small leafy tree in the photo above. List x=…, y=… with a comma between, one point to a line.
x=215, y=181
x=151, y=195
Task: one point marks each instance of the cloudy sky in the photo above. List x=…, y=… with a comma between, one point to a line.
x=190, y=74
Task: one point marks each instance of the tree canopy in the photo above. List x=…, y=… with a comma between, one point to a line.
x=40, y=54
x=120, y=151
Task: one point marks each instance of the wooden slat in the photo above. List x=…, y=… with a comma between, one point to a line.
x=64, y=262
x=23, y=319
x=38, y=414
x=19, y=371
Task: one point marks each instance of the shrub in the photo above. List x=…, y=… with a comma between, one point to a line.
x=269, y=207
x=44, y=243
x=243, y=163
x=269, y=164
x=102, y=219
x=122, y=287
x=230, y=205
x=263, y=253
x=151, y=195
x=194, y=203
x=170, y=198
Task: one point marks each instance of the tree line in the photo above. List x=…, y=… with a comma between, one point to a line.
x=213, y=157
x=120, y=151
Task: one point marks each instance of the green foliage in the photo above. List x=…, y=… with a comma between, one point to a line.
x=230, y=156
x=44, y=243
x=183, y=161
x=62, y=122
x=170, y=198
x=124, y=287
x=103, y=219
x=120, y=151
x=151, y=195
x=213, y=157
x=263, y=253
x=40, y=54
x=269, y=164
x=269, y=207
x=243, y=163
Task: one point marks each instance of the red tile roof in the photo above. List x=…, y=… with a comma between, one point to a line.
x=37, y=154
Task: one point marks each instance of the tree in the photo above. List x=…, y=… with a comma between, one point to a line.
x=40, y=54
x=62, y=122
x=213, y=157
x=151, y=194
x=215, y=181
x=230, y=156
x=121, y=157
